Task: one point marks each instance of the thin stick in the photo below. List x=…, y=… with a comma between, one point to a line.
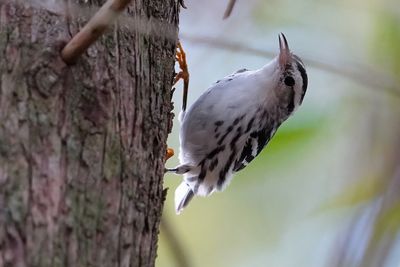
x=93, y=30
x=229, y=8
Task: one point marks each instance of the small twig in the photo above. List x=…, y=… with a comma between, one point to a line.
x=138, y=24
x=93, y=30
x=229, y=8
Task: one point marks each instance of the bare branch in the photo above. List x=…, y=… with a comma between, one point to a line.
x=360, y=75
x=229, y=8
x=93, y=29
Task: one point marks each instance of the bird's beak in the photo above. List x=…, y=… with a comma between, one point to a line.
x=284, y=54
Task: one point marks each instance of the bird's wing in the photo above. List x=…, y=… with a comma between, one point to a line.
x=205, y=122
x=254, y=145
x=219, y=84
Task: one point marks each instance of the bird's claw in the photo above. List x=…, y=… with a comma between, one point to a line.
x=183, y=73
x=182, y=3
x=170, y=152
x=181, y=58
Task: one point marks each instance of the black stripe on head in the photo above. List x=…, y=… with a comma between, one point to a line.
x=298, y=60
x=304, y=77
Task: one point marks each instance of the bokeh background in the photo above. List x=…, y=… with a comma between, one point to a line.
x=326, y=190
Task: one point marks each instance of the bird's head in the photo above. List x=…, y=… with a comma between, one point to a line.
x=292, y=76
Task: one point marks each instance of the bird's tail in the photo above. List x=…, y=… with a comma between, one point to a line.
x=183, y=195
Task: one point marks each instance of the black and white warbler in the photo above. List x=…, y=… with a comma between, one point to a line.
x=231, y=122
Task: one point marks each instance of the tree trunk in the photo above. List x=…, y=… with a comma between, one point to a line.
x=82, y=147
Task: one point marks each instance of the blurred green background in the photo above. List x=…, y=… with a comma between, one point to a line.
x=326, y=190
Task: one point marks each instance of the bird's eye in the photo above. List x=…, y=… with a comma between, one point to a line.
x=289, y=81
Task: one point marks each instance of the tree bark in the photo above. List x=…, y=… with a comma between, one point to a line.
x=82, y=147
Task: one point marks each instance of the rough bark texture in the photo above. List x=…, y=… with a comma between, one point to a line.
x=82, y=147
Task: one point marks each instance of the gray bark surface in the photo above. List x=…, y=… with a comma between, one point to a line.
x=82, y=147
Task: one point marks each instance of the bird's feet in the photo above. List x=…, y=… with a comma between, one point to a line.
x=181, y=58
x=182, y=4
x=182, y=74
x=170, y=152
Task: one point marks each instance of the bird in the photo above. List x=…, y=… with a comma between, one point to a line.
x=233, y=120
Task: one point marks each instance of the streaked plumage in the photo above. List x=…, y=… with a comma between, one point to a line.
x=231, y=122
